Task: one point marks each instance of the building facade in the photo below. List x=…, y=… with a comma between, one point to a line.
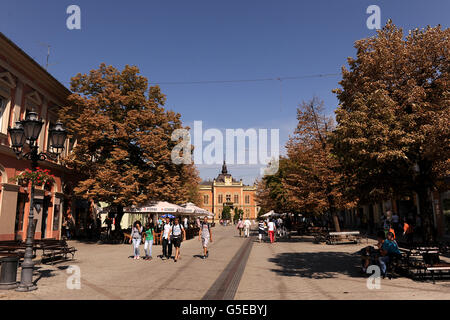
x=226, y=191
x=407, y=207
x=26, y=86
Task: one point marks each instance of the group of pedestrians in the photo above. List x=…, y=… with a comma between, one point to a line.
x=173, y=234
x=137, y=232
x=244, y=227
x=405, y=226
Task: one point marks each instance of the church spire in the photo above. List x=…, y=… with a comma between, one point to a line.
x=224, y=168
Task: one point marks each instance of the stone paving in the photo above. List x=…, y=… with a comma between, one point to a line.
x=298, y=270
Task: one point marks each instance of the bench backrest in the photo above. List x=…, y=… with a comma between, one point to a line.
x=344, y=233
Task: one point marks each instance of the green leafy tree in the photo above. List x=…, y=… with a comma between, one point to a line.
x=226, y=213
x=237, y=214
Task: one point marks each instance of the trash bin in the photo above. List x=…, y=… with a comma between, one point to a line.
x=8, y=273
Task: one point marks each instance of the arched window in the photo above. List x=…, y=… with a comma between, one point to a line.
x=220, y=198
x=236, y=198
x=205, y=199
x=228, y=197
x=247, y=199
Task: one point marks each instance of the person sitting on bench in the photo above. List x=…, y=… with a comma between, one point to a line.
x=388, y=251
x=369, y=254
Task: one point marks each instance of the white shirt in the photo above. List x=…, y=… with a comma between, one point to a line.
x=271, y=226
x=167, y=228
x=247, y=223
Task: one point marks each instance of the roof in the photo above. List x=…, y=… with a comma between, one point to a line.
x=27, y=63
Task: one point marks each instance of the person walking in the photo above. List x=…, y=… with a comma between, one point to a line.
x=261, y=231
x=177, y=234
x=279, y=226
x=408, y=232
x=185, y=223
x=166, y=243
x=205, y=235
x=271, y=228
x=149, y=235
x=395, y=222
x=247, y=225
x=136, y=238
x=240, y=227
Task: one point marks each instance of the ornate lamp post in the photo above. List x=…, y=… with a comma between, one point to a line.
x=27, y=131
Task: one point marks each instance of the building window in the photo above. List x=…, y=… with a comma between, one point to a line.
x=247, y=199
x=236, y=198
x=220, y=198
x=205, y=199
x=247, y=213
x=21, y=200
x=228, y=197
x=2, y=113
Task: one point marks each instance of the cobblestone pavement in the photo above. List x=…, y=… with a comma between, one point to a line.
x=237, y=268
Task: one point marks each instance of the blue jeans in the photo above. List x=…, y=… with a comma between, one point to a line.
x=136, y=243
x=148, y=247
x=383, y=261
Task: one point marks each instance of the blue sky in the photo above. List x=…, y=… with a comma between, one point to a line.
x=172, y=41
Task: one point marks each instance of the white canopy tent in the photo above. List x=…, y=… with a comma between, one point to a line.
x=272, y=213
x=268, y=214
x=154, y=207
x=191, y=209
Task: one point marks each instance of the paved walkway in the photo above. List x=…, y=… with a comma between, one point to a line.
x=237, y=268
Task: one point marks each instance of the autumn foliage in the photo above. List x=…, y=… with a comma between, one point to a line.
x=393, y=129
x=123, y=140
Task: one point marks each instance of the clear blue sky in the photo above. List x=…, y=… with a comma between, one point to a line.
x=214, y=40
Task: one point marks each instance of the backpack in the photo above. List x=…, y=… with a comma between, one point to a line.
x=181, y=230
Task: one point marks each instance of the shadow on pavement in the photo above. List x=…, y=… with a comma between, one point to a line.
x=317, y=265
x=295, y=239
x=42, y=274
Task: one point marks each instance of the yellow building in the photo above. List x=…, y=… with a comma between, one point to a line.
x=226, y=191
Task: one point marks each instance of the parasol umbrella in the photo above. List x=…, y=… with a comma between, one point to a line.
x=154, y=207
x=191, y=209
x=268, y=214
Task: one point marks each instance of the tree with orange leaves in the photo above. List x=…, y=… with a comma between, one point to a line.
x=313, y=180
x=123, y=141
x=393, y=131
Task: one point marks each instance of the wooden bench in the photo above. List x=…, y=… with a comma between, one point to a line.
x=319, y=234
x=126, y=237
x=157, y=238
x=345, y=237
x=423, y=261
x=52, y=248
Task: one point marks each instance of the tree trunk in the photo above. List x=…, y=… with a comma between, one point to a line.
x=119, y=216
x=426, y=214
x=336, y=222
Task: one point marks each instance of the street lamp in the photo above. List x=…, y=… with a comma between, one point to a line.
x=27, y=131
